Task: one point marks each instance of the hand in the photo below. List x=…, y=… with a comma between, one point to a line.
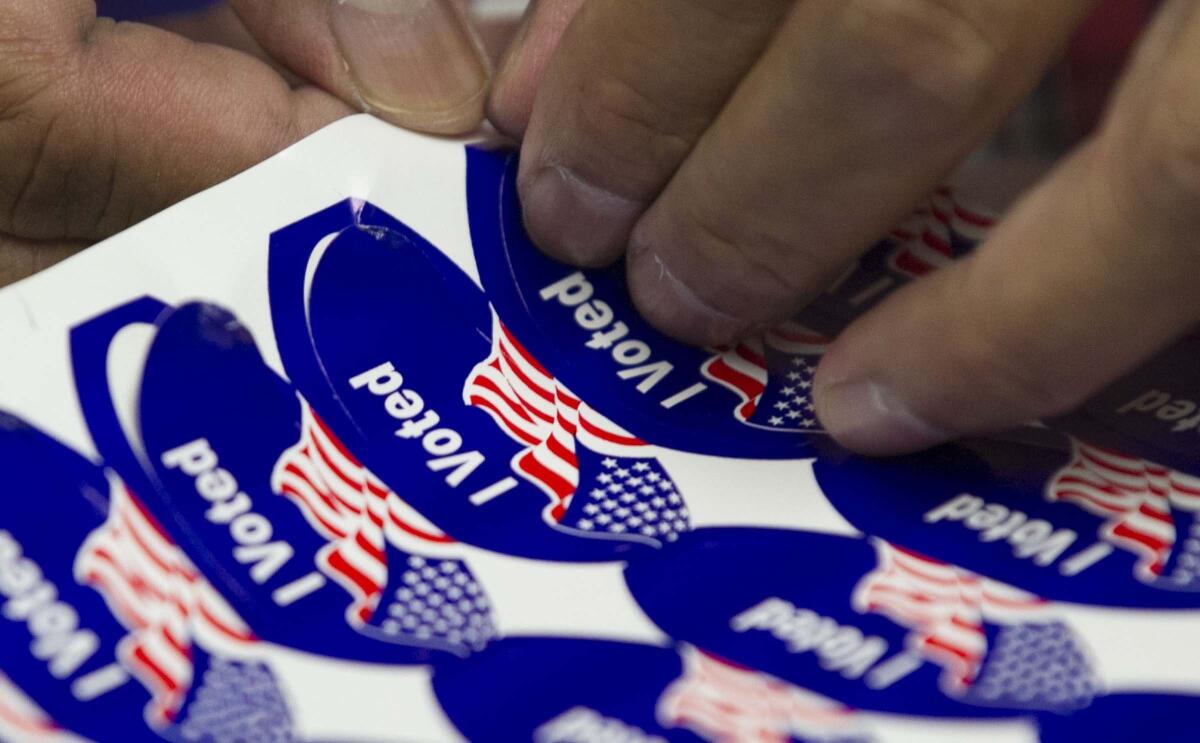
x=747, y=152
x=103, y=123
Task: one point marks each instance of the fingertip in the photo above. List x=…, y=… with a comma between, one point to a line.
x=416, y=63
x=571, y=219
x=674, y=308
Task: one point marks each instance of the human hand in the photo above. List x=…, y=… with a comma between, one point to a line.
x=746, y=153
x=103, y=124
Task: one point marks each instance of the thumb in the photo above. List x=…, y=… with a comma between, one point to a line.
x=416, y=63
x=1092, y=273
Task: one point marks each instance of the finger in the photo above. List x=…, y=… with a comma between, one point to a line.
x=22, y=258
x=857, y=110
x=631, y=88
x=1092, y=272
x=520, y=73
x=416, y=63
x=103, y=124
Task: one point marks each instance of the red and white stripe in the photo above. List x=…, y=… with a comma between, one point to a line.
x=722, y=701
x=925, y=237
x=155, y=592
x=347, y=505
x=535, y=410
x=742, y=368
x=20, y=718
x=1135, y=497
x=944, y=606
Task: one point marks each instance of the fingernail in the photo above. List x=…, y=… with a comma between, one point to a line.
x=415, y=62
x=673, y=307
x=575, y=220
x=869, y=418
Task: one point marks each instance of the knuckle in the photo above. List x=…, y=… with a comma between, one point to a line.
x=929, y=56
x=634, y=132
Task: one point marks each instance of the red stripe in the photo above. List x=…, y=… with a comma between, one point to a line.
x=180, y=647
x=1091, y=499
x=364, y=584
x=1105, y=464
x=1149, y=512
x=608, y=436
x=541, y=392
x=337, y=469
x=137, y=619
x=749, y=387
x=552, y=480
x=322, y=492
x=333, y=439
x=375, y=552
x=145, y=661
x=518, y=408
x=750, y=355
x=558, y=449
x=940, y=644
x=291, y=491
x=414, y=531
x=909, y=263
x=524, y=436
x=935, y=241
x=971, y=217
x=524, y=353
x=223, y=628
x=1127, y=532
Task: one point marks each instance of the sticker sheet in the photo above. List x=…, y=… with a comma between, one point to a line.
x=332, y=453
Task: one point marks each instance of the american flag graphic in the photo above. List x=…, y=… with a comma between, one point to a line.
x=20, y=718
x=399, y=569
x=772, y=376
x=728, y=703
x=1141, y=503
x=156, y=593
x=1035, y=661
x=597, y=477
x=939, y=231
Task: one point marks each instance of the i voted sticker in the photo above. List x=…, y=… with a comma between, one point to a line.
x=1072, y=522
x=442, y=401
x=1153, y=413
x=311, y=550
x=870, y=625
x=593, y=690
x=941, y=230
x=106, y=625
x=748, y=400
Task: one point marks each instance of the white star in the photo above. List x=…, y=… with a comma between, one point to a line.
x=634, y=521
x=653, y=477
x=646, y=490
x=617, y=528
x=635, y=481
x=621, y=513
x=591, y=509
x=603, y=519
x=597, y=493
x=641, y=466
x=775, y=420
x=788, y=391
x=609, y=463
x=616, y=487
x=648, y=531
x=657, y=502
x=628, y=498
x=609, y=505
x=793, y=414
x=666, y=485
x=604, y=477
x=808, y=422
x=586, y=524
x=782, y=405
x=805, y=384
x=621, y=472
x=797, y=361
x=794, y=375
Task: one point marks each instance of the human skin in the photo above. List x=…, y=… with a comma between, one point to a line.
x=740, y=156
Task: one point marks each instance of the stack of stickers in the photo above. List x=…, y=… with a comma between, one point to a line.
x=403, y=490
